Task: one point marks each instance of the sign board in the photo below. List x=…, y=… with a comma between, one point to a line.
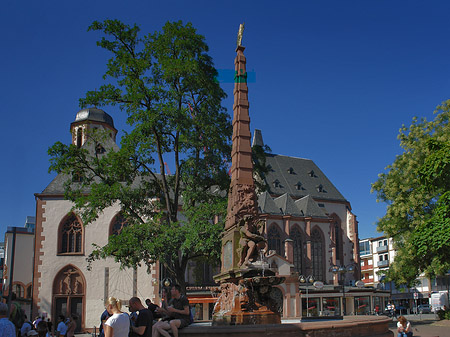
x=359, y=284
x=318, y=284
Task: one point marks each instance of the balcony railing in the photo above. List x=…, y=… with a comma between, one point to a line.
x=383, y=263
x=368, y=280
x=381, y=249
x=367, y=267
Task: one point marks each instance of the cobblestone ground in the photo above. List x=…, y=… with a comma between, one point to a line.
x=425, y=326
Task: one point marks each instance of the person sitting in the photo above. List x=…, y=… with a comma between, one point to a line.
x=404, y=327
x=152, y=307
x=144, y=321
x=177, y=314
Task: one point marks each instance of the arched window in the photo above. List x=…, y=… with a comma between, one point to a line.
x=79, y=137
x=274, y=239
x=337, y=239
x=71, y=235
x=117, y=224
x=296, y=237
x=317, y=258
x=337, y=234
x=19, y=290
x=29, y=291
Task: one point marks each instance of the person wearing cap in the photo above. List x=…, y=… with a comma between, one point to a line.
x=7, y=328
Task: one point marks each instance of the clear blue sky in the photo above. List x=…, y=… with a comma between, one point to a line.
x=335, y=80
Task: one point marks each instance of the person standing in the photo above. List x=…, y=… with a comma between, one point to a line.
x=144, y=322
x=72, y=326
x=7, y=328
x=26, y=326
x=103, y=318
x=118, y=324
x=61, y=329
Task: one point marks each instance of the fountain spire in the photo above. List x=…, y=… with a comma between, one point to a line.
x=242, y=195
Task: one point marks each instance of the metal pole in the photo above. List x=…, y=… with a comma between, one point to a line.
x=307, y=299
x=343, y=294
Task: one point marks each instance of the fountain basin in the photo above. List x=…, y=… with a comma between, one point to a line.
x=355, y=326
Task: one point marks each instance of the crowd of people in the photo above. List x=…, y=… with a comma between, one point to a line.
x=150, y=320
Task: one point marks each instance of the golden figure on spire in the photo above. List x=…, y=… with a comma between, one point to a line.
x=240, y=33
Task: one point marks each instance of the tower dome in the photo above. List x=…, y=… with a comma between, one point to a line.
x=94, y=115
x=90, y=119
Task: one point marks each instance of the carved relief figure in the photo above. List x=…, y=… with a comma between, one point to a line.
x=252, y=241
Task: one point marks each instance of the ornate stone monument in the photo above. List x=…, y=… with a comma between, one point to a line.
x=245, y=280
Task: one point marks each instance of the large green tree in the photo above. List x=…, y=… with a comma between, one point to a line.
x=416, y=188
x=166, y=83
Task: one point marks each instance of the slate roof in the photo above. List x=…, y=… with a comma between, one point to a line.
x=95, y=115
x=294, y=185
x=298, y=177
x=56, y=186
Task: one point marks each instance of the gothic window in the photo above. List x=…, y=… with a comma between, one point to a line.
x=19, y=290
x=317, y=258
x=71, y=235
x=79, y=137
x=118, y=223
x=29, y=290
x=296, y=237
x=337, y=239
x=274, y=239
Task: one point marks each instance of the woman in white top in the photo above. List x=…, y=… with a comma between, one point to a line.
x=118, y=325
x=404, y=327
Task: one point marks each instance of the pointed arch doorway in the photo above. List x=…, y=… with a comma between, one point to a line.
x=69, y=295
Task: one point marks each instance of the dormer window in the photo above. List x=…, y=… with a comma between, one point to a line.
x=77, y=177
x=312, y=174
x=320, y=189
x=290, y=170
x=298, y=186
x=276, y=183
x=99, y=149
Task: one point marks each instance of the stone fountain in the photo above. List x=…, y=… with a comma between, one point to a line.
x=246, y=281
x=246, y=305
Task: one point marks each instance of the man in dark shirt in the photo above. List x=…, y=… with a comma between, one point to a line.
x=144, y=321
x=152, y=307
x=178, y=313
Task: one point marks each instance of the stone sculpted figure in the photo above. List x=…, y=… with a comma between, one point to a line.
x=240, y=33
x=252, y=241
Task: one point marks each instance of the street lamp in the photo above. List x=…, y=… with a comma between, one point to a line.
x=306, y=281
x=341, y=271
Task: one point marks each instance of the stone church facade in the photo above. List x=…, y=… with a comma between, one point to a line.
x=309, y=227
x=62, y=282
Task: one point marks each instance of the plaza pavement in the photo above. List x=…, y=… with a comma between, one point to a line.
x=426, y=325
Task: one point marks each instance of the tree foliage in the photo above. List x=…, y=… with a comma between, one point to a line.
x=166, y=83
x=416, y=188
